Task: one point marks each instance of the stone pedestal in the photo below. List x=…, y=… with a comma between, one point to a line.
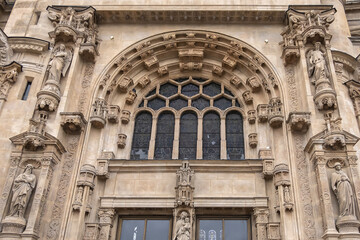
x=348, y=224
x=13, y=225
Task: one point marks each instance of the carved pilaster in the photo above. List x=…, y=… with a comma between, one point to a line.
x=106, y=216
x=72, y=122
x=261, y=220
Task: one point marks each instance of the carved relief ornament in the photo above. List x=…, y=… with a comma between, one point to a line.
x=8, y=76
x=72, y=122
x=299, y=121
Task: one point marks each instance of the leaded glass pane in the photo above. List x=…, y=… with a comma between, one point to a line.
x=211, y=136
x=152, y=92
x=222, y=103
x=178, y=103
x=157, y=230
x=190, y=90
x=132, y=229
x=234, y=136
x=200, y=103
x=210, y=229
x=164, y=136
x=188, y=136
x=228, y=92
x=141, y=104
x=141, y=137
x=168, y=89
x=156, y=103
x=235, y=229
x=212, y=89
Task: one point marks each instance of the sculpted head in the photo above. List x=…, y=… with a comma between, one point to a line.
x=337, y=166
x=317, y=45
x=62, y=47
x=29, y=168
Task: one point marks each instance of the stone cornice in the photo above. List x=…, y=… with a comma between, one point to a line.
x=21, y=44
x=180, y=14
x=349, y=61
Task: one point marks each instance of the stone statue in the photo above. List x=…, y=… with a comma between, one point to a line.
x=22, y=189
x=317, y=64
x=60, y=63
x=341, y=186
x=182, y=227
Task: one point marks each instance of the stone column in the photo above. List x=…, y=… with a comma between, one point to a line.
x=261, y=220
x=106, y=216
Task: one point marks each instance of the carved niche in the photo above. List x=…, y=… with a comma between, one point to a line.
x=72, y=24
x=8, y=76
x=49, y=96
x=184, y=189
x=302, y=26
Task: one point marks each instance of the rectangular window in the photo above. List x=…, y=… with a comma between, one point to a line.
x=223, y=229
x=26, y=91
x=145, y=229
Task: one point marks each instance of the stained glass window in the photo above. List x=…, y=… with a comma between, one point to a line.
x=178, y=103
x=200, y=103
x=188, y=136
x=190, y=89
x=218, y=229
x=211, y=136
x=234, y=136
x=156, y=103
x=164, y=136
x=168, y=89
x=212, y=89
x=222, y=103
x=141, y=137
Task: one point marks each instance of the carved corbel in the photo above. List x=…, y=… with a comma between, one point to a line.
x=113, y=113
x=254, y=83
x=262, y=112
x=268, y=162
x=299, y=121
x=251, y=116
x=229, y=62
x=151, y=62
x=191, y=55
x=261, y=220
x=276, y=117
x=121, y=140
x=248, y=98
x=98, y=114
x=106, y=217
x=124, y=84
x=162, y=71
x=144, y=81
x=103, y=164
x=236, y=81
x=8, y=76
x=253, y=140
x=72, y=122
x=125, y=116
x=218, y=70
x=130, y=98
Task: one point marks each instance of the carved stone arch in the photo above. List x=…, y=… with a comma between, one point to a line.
x=189, y=109
x=231, y=109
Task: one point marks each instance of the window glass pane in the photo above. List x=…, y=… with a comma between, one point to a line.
x=210, y=230
x=157, y=230
x=26, y=92
x=132, y=230
x=188, y=136
x=164, y=136
x=211, y=136
x=235, y=230
x=141, y=138
x=168, y=89
x=234, y=136
x=156, y=103
x=222, y=103
x=212, y=89
x=190, y=90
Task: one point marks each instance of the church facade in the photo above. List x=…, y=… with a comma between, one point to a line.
x=179, y=120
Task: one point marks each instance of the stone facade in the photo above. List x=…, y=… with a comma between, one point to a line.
x=185, y=113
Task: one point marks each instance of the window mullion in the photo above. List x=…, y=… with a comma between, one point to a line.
x=144, y=233
x=175, y=153
x=223, y=138
x=152, y=139
x=199, y=152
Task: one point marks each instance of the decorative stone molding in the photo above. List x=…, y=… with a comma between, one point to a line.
x=113, y=114
x=92, y=231
x=27, y=44
x=299, y=121
x=262, y=112
x=5, y=49
x=130, y=98
x=191, y=55
x=98, y=114
x=103, y=164
x=106, y=216
x=229, y=62
x=8, y=76
x=49, y=96
x=124, y=84
x=72, y=122
x=261, y=220
x=184, y=189
x=121, y=140
x=144, y=81
x=254, y=83
x=248, y=98
x=251, y=116
x=125, y=116
x=354, y=92
x=253, y=141
x=275, y=115
x=190, y=66
x=218, y=70
x=162, y=71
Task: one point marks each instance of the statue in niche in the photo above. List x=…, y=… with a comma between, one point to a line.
x=22, y=189
x=183, y=227
x=60, y=63
x=341, y=186
x=317, y=64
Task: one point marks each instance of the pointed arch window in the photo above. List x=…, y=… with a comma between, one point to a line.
x=164, y=136
x=211, y=136
x=234, y=136
x=188, y=135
